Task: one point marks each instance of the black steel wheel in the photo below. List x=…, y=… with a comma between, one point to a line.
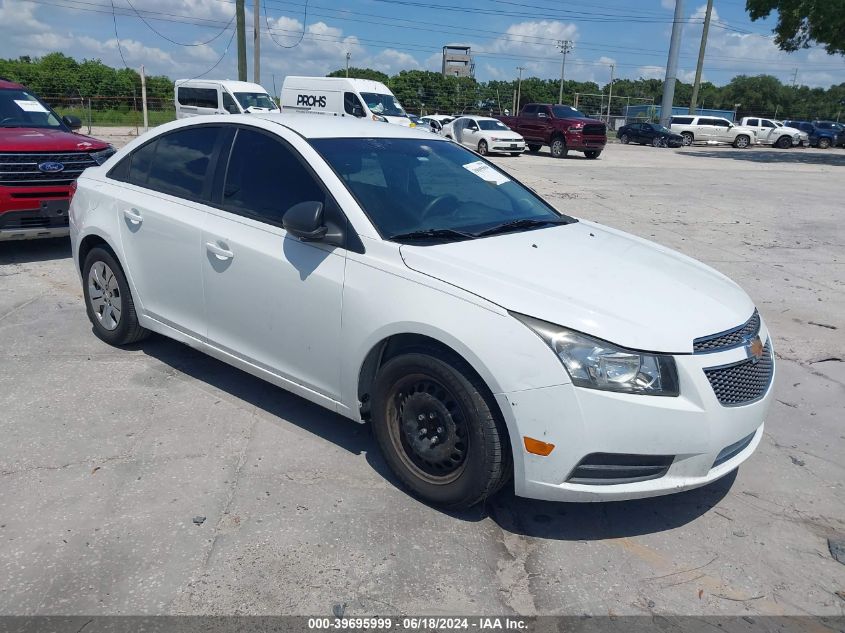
x=439, y=429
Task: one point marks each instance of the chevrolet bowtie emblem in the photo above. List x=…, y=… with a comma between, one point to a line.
x=754, y=349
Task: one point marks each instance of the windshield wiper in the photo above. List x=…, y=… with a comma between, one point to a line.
x=428, y=234
x=522, y=223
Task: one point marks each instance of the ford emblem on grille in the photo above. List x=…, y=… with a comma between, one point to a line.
x=51, y=167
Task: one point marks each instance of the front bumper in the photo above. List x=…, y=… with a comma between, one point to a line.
x=585, y=142
x=507, y=147
x=693, y=428
x=29, y=213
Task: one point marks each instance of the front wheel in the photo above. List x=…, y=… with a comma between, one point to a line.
x=741, y=141
x=784, y=142
x=655, y=142
x=439, y=430
x=592, y=154
x=108, y=300
x=482, y=148
x=688, y=138
x=824, y=143
x=558, y=148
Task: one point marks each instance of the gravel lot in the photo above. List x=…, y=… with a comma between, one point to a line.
x=108, y=455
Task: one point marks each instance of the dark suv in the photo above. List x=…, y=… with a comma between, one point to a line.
x=833, y=126
x=819, y=137
x=40, y=159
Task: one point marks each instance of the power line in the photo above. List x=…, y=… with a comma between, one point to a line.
x=117, y=37
x=301, y=35
x=172, y=41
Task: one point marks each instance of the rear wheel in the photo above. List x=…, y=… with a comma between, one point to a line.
x=534, y=148
x=624, y=139
x=592, y=154
x=482, y=148
x=655, y=142
x=108, y=300
x=439, y=430
x=742, y=141
x=688, y=138
x=558, y=147
x=784, y=142
x=824, y=143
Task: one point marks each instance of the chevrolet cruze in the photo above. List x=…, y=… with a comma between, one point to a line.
x=398, y=278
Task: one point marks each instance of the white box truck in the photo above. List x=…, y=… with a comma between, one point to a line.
x=220, y=96
x=339, y=96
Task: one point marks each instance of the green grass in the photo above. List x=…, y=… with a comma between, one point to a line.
x=104, y=118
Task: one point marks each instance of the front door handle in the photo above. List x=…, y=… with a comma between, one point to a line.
x=218, y=251
x=133, y=215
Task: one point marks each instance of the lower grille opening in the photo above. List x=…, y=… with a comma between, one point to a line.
x=605, y=469
x=729, y=452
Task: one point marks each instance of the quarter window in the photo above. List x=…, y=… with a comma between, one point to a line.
x=681, y=120
x=350, y=101
x=229, y=104
x=265, y=178
x=181, y=162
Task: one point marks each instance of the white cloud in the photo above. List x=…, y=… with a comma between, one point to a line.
x=668, y=4
x=391, y=61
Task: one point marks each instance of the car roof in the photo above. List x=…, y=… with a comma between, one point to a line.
x=8, y=84
x=231, y=84
x=312, y=126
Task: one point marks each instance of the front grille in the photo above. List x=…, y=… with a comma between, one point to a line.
x=595, y=128
x=21, y=169
x=15, y=220
x=605, y=469
x=743, y=382
x=729, y=339
x=731, y=451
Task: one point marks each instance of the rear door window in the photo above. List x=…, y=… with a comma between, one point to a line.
x=182, y=160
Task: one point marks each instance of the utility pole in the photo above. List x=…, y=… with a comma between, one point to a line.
x=241, y=29
x=700, y=65
x=256, y=42
x=610, y=92
x=144, y=99
x=518, y=89
x=672, y=64
x=794, y=78
x=348, y=56
x=565, y=46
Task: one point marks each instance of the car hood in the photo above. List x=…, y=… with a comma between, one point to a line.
x=23, y=139
x=593, y=279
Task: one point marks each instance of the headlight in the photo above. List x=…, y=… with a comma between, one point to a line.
x=597, y=364
x=574, y=129
x=378, y=117
x=103, y=155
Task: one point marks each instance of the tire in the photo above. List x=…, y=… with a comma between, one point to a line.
x=482, y=148
x=688, y=138
x=824, y=143
x=534, y=148
x=655, y=142
x=112, y=314
x=624, y=139
x=742, y=141
x=421, y=395
x=516, y=154
x=558, y=147
x=784, y=142
x=592, y=154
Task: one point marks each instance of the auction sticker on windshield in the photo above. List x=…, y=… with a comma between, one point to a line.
x=485, y=172
x=30, y=106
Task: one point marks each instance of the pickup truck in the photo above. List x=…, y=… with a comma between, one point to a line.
x=561, y=127
x=772, y=132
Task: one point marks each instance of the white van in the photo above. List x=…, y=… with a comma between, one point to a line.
x=339, y=96
x=220, y=96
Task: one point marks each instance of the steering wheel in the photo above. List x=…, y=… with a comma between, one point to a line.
x=431, y=206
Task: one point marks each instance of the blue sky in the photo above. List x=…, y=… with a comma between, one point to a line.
x=392, y=35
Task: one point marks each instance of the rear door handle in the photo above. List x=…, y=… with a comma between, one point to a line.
x=218, y=251
x=133, y=215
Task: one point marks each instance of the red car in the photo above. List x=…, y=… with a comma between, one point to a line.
x=40, y=158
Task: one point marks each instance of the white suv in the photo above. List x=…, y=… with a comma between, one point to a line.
x=708, y=129
x=396, y=277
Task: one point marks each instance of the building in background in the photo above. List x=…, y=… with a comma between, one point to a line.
x=457, y=61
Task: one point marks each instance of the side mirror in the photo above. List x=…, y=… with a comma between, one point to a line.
x=72, y=122
x=305, y=221
x=542, y=115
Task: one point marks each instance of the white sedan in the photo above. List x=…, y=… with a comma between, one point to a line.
x=399, y=279
x=485, y=135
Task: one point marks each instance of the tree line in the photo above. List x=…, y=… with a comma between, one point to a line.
x=61, y=80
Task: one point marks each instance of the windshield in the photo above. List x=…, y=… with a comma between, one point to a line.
x=567, y=112
x=486, y=124
x=408, y=185
x=255, y=100
x=20, y=109
x=383, y=104
x=660, y=128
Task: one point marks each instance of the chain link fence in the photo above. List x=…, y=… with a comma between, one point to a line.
x=123, y=111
